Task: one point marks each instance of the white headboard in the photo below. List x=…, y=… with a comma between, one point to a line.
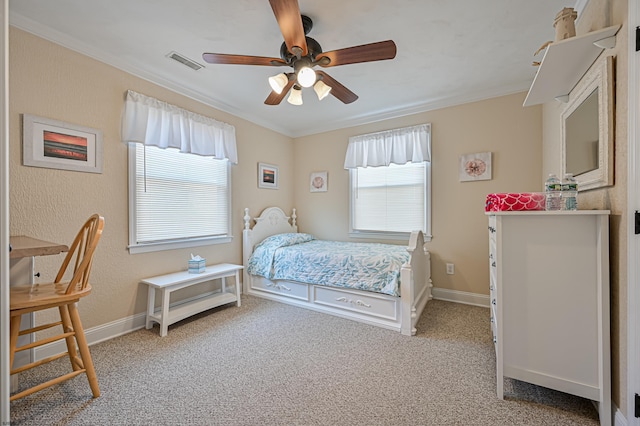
x=271, y=221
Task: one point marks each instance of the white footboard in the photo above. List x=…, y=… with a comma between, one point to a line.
x=391, y=312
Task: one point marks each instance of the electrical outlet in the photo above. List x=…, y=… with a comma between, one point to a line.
x=451, y=269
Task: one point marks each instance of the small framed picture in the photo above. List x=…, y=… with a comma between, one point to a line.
x=267, y=176
x=475, y=167
x=318, y=182
x=58, y=145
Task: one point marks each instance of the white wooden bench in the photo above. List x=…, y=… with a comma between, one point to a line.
x=170, y=313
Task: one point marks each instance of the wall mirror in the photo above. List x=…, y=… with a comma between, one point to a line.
x=587, y=128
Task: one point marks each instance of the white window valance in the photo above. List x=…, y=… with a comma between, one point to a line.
x=150, y=121
x=397, y=146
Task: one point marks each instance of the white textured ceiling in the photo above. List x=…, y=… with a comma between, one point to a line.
x=448, y=51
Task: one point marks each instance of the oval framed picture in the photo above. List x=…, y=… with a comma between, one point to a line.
x=318, y=182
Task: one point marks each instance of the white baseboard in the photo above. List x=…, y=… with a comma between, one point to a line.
x=96, y=334
x=467, y=298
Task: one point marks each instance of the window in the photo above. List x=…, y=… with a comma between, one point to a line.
x=179, y=175
x=177, y=199
x=390, y=201
x=390, y=183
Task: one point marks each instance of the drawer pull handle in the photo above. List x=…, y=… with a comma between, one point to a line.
x=494, y=302
x=495, y=339
x=492, y=320
x=354, y=302
x=493, y=263
x=278, y=286
x=491, y=287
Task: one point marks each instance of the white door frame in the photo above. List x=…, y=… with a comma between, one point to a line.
x=5, y=416
x=633, y=294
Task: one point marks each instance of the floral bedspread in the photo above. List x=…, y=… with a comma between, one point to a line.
x=300, y=257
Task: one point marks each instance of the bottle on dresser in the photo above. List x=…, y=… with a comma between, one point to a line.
x=569, y=192
x=553, y=193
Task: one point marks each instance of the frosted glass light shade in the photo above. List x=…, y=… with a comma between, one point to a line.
x=321, y=89
x=295, y=97
x=278, y=82
x=306, y=77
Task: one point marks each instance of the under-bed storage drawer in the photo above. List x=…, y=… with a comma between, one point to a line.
x=285, y=288
x=370, y=304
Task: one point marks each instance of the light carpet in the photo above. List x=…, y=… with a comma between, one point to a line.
x=267, y=363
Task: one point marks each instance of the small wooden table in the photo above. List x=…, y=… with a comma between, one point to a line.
x=22, y=246
x=168, y=314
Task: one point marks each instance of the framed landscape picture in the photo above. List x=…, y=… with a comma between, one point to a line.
x=58, y=145
x=267, y=176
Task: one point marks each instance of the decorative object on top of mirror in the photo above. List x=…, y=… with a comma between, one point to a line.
x=565, y=27
x=565, y=23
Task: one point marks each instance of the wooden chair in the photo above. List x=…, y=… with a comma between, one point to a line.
x=63, y=295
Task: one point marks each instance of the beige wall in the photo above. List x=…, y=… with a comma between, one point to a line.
x=459, y=227
x=50, y=81
x=597, y=15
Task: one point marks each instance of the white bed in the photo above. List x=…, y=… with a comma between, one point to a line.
x=400, y=313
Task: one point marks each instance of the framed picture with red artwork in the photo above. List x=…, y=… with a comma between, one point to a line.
x=267, y=176
x=55, y=144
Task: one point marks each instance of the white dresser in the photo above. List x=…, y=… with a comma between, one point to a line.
x=549, y=290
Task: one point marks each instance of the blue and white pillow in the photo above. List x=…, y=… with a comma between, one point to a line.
x=261, y=261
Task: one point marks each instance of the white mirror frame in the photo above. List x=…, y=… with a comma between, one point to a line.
x=600, y=76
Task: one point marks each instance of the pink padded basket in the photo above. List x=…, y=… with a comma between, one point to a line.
x=514, y=202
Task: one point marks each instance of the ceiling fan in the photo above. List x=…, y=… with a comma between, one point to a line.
x=303, y=53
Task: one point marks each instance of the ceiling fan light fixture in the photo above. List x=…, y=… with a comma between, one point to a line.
x=306, y=77
x=321, y=89
x=295, y=97
x=278, y=82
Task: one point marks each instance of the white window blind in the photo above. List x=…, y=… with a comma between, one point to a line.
x=389, y=199
x=178, y=196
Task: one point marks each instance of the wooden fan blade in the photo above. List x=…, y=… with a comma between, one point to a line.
x=338, y=90
x=222, y=58
x=378, y=51
x=287, y=14
x=275, y=98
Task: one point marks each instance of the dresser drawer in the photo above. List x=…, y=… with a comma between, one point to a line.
x=493, y=319
x=493, y=276
x=369, y=304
